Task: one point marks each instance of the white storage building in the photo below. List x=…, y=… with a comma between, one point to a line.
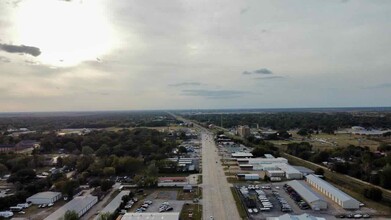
x=241, y=155
x=341, y=198
x=44, y=198
x=312, y=198
x=250, y=176
x=275, y=173
x=79, y=204
x=114, y=204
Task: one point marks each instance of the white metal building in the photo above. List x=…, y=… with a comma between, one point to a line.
x=114, y=204
x=249, y=176
x=275, y=173
x=304, y=216
x=312, y=198
x=151, y=216
x=341, y=198
x=79, y=204
x=290, y=171
x=241, y=155
x=44, y=198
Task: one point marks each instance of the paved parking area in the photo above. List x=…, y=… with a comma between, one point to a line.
x=175, y=204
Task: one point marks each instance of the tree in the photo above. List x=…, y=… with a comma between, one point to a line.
x=103, y=151
x=87, y=150
x=106, y=185
x=303, y=132
x=182, y=150
x=319, y=171
x=258, y=152
x=108, y=171
x=385, y=177
x=71, y=215
x=105, y=216
x=3, y=169
x=373, y=193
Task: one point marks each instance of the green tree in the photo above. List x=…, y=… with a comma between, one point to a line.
x=106, y=185
x=3, y=169
x=108, y=171
x=373, y=193
x=87, y=150
x=385, y=177
x=105, y=216
x=319, y=171
x=71, y=215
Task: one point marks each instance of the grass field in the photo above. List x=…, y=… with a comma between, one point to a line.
x=239, y=205
x=193, y=209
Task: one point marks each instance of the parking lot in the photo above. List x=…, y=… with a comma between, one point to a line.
x=271, y=195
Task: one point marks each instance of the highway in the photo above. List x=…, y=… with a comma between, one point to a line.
x=217, y=197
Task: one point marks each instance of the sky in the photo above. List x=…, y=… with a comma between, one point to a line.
x=87, y=55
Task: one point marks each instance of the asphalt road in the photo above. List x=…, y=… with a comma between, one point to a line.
x=217, y=197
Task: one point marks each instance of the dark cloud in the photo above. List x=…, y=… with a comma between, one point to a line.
x=263, y=71
x=270, y=77
x=244, y=10
x=259, y=71
x=33, y=51
x=214, y=94
x=4, y=60
x=185, y=84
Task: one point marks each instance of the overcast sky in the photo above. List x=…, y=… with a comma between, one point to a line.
x=180, y=54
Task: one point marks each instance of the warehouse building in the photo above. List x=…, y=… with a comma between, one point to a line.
x=114, y=204
x=241, y=155
x=314, y=200
x=250, y=176
x=79, y=204
x=304, y=216
x=290, y=171
x=275, y=173
x=44, y=198
x=341, y=198
x=151, y=216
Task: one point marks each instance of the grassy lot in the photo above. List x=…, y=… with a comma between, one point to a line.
x=199, y=180
x=232, y=179
x=348, y=185
x=189, y=195
x=194, y=209
x=326, y=141
x=239, y=205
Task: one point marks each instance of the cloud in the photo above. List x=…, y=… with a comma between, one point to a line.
x=4, y=60
x=263, y=71
x=259, y=71
x=185, y=84
x=214, y=94
x=33, y=51
x=270, y=77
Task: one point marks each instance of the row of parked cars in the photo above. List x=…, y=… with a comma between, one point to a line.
x=165, y=207
x=351, y=215
x=144, y=206
x=266, y=204
x=296, y=197
x=285, y=207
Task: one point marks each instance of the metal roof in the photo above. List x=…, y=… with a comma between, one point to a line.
x=45, y=195
x=331, y=189
x=77, y=204
x=114, y=204
x=304, y=191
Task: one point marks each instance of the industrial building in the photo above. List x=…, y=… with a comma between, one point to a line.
x=172, y=181
x=313, y=199
x=243, y=131
x=250, y=176
x=304, y=170
x=186, y=164
x=79, y=204
x=341, y=198
x=44, y=198
x=304, y=216
x=290, y=171
x=275, y=173
x=151, y=216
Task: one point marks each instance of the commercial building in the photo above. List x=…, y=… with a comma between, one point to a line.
x=186, y=164
x=44, y=198
x=304, y=216
x=251, y=176
x=172, y=181
x=79, y=204
x=304, y=170
x=151, y=216
x=341, y=198
x=275, y=173
x=243, y=131
x=114, y=204
x=314, y=200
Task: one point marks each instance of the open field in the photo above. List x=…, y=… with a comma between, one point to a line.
x=194, y=209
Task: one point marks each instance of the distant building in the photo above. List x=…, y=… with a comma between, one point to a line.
x=114, y=204
x=187, y=188
x=5, y=148
x=79, y=204
x=243, y=131
x=241, y=155
x=22, y=145
x=186, y=164
x=315, y=201
x=44, y=198
x=249, y=176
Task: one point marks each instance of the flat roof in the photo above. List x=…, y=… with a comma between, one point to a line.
x=303, y=169
x=242, y=154
x=151, y=216
x=44, y=195
x=330, y=188
x=288, y=168
x=305, y=191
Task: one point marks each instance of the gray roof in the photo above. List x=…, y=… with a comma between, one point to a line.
x=331, y=189
x=45, y=195
x=303, y=169
x=304, y=191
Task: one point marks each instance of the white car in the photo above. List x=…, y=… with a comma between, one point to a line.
x=250, y=211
